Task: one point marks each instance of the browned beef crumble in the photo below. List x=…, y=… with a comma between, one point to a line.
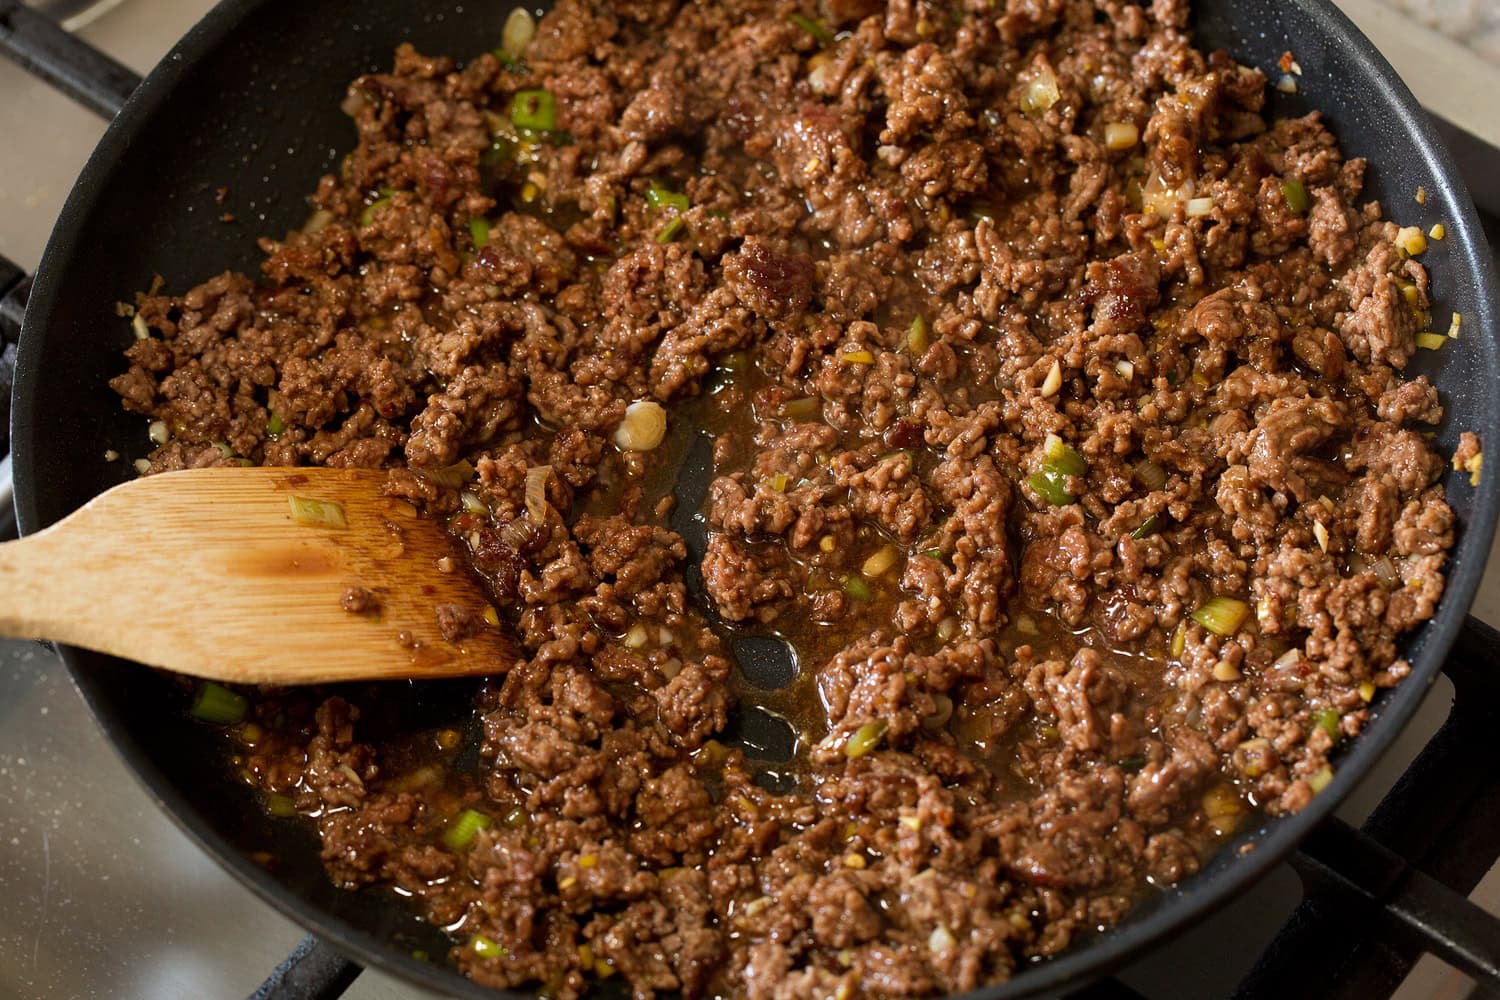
x=911, y=256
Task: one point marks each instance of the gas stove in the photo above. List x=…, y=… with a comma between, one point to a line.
x=105, y=897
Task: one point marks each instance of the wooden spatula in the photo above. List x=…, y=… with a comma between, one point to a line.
x=244, y=575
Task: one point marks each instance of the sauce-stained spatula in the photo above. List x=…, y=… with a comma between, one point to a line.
x=249, y=575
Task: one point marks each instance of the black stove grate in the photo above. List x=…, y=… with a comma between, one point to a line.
x=1374, y=899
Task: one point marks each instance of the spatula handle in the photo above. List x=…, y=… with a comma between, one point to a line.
x=39, y=595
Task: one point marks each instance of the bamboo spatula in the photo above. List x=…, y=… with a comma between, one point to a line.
x=242, y=575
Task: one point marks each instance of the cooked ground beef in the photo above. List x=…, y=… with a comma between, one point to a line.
x=1057, y=423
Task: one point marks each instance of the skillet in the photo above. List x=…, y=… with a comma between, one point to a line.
x=248, y=103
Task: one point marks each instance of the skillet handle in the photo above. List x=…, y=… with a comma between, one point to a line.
x=313, y=971
x=95, y=80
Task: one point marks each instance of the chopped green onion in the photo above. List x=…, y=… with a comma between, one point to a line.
x=1327, y=719
x=933, y=553
x=485, y=948
x=217, y=704
x=661, y=197
x=1295, y=193
x=534, y=109
x=813, y=27
x=1059, y=457
x=462, y=831
x=520, y=28
x=479, y=231
x=368, y=215
x=670, y=231
x=1179, y=640
x=1222, y=615
x=805, y=408
x=865, y=738
x=275, y=425
x=1146, y=530
x=916, y=337
x=1134, y=762
x=857, y=588
x=317, y=513
x=1052, y=486
x=280, y=806
x=1320, y=779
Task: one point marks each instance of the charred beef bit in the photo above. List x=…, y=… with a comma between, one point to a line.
x=360, y=601
x=1468, y=457
x=455, y=623
x=1034, y=358
x=776, y=286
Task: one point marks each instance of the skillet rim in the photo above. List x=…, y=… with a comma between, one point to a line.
x=1170, y=910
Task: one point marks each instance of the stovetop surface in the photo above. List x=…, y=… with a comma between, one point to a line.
x=102, y=896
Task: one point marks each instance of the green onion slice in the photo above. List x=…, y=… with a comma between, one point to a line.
x=1052, y=486
x=671, y=230
x=658, y=196
x=280, y=806
x=865, y=738
x=1327, y=719
x=1295, y=193
x=813, y=27
x=275, y=425
x=462, y=831
x=1060, y=457
x=534, y=109
x=1222, y=615
x=368, y=215
x=858, y=588
x=805, y=408
x=916, y=338
x=486, y=948
x=217, y=704
x=317, y=513
x=479, y=231
x=1146, y=530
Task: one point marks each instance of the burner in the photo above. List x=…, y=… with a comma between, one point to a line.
x=74, y=14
